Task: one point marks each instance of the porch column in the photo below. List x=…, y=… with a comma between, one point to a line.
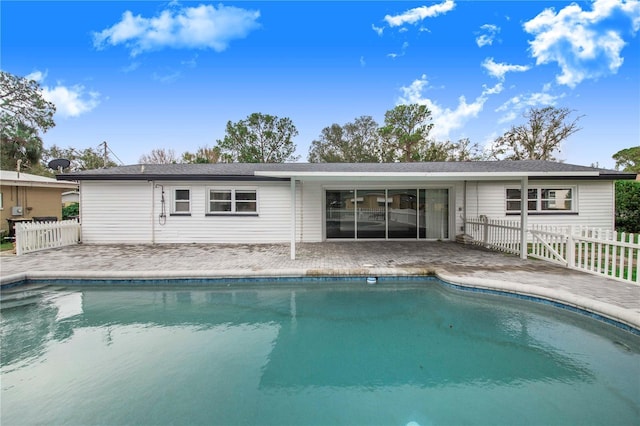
x=293, y=218
x=524, y=213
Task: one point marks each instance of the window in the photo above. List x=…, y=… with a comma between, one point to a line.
x=543, y=200
x=181, y=201
x=233, y=201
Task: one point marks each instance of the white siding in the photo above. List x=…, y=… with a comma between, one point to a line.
x=128, y=212
x=594, y=202
x=312, y=211
x=116, y=212
x=271, y=225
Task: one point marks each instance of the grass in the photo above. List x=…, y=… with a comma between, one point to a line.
x=6, y=246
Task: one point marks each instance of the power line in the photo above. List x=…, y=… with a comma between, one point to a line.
x=106, y=150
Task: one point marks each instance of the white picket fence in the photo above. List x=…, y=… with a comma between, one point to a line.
x=597, y=251
x=35, y=236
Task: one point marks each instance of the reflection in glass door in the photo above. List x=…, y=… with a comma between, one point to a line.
x=371, y=211
x=340, y=214
x=402, y=218
x=387, y=214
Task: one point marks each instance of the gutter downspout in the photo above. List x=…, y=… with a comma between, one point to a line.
x=293, y=218
x=524, y=213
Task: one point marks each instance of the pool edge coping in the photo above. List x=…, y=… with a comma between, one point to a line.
x=606, y=311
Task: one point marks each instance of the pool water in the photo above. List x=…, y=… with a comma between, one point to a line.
x=316, y=354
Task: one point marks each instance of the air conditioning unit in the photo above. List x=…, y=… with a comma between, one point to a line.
x=16, y=211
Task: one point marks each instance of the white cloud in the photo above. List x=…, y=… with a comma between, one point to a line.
x=190, y=63
x=403, y=51
x=412, y=16
x=584, y=44
x=201, y=27
x=514, y=107
x=70, y=101
x=378, y=30
x=498, y=70
x=446, y=120
x=166, y=77
x=487, y=38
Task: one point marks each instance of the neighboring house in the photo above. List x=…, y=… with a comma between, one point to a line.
x=24, y=196
x=70, y=197
x=265, y=203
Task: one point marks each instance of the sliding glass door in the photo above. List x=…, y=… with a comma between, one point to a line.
x=402, y=213
x=387, y=214
x=371, y=210
x=434, y=214
x=340, y=214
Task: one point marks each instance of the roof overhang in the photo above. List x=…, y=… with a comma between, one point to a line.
x=183, y=177
x=35, y=184
x=431, y=176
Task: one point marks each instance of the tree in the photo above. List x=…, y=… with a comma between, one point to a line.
x=204, y=154
x=539, y=138
x=628, y=159
x=159, y=156
x=21, y=101
x=86, y=159
x=23, y=113
x=260, y=138
x=357, y=142
x=464, y=150
x=628, y=206
x=405, y=132
x=19, y=143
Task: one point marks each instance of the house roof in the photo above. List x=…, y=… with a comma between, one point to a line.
x=12, y=178
x=469, y=170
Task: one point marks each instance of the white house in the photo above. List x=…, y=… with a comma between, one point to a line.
x=303, y=202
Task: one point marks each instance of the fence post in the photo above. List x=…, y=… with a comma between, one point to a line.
x=20, y=236
x=485, y=230
x=571, y=248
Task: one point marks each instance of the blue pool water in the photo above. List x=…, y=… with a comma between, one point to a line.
x=317, y=354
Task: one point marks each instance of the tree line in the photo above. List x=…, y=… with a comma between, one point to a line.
x=403, y=137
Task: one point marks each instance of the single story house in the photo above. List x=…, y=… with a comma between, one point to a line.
x=313, y=202
x=24, y=197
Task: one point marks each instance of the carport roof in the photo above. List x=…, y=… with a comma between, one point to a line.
x=468, y=170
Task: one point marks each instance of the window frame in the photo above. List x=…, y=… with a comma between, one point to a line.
x=175, y=201
x=233, y=201
x=540, y=201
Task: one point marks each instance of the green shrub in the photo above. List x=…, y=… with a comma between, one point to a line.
x=71, y=211
x=628, y=206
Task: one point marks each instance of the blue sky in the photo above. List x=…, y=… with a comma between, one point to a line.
x=144, y=74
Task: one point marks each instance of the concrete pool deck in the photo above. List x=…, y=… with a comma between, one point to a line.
x=468, y=266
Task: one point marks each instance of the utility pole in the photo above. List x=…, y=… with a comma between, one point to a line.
x=104, y=155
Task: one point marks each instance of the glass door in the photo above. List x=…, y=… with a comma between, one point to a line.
x=340, y=214
x=387, y=214
x=434, y=214
x=371, y=212
x=402, y=213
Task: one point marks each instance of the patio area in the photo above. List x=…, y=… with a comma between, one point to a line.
x=456, y=263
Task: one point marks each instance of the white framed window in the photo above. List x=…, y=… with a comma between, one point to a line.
x=181, y=201
x=232, y=201
x=546, y=200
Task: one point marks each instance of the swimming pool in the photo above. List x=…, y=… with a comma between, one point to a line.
x=396, y=353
